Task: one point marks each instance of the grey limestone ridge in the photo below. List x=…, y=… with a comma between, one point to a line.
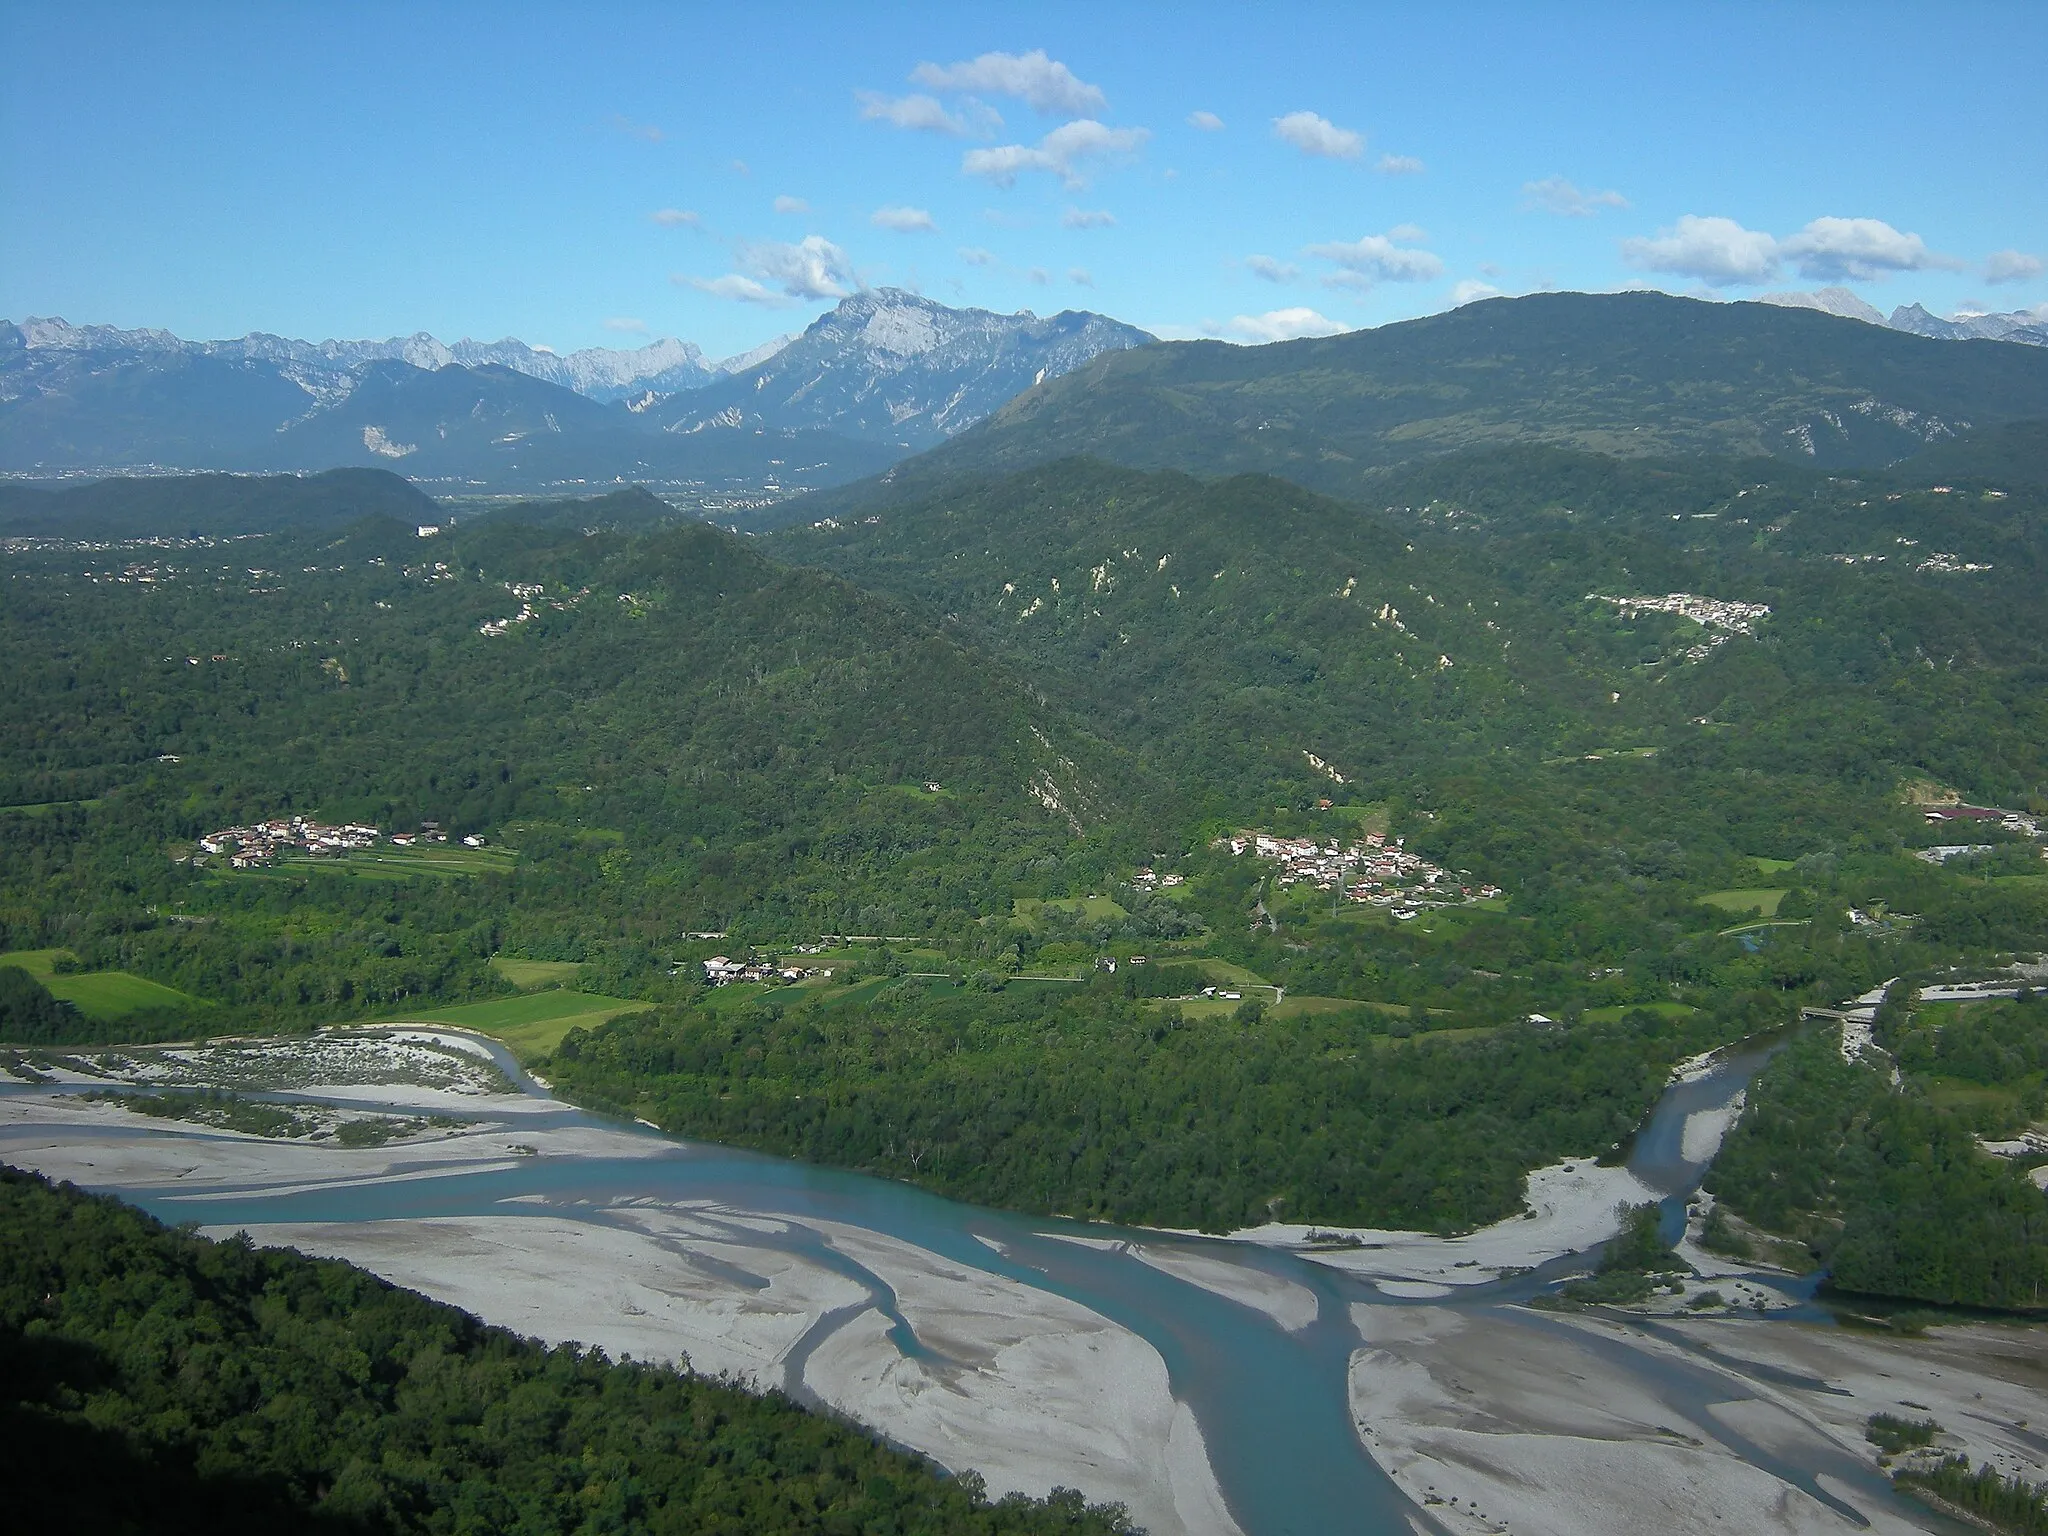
x=895, y=367
x=2027, y=327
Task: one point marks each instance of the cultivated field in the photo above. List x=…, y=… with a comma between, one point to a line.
x=104, y=995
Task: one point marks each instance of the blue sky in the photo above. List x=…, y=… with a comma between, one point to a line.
x=598, y=175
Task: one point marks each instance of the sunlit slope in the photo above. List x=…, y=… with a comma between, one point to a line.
x=1630, y=373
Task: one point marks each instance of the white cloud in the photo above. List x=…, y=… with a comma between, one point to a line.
x=976, y=256
x=905, y=221
x=671, y=218
x=2011, y=267
x=1087, y=218
x=1082, y=276
x=1316, y=135
x=1045, y=83
x=1407, y=234
x=791, y=205
x=1278, y=325
x=813, y=268
x=1377, y=259
x=1399, y=165
x=1553, y=194
x=629, y=327
x=1859, y=250
x=1714, y=250
x=1470, y=290
x=1059, y=152
x=741, y=168
x=1272, y=270
x=1208, y=122
x=732, y=286
x=918, y=113
x=1038, y=275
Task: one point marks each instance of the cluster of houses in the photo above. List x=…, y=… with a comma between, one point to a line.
x=261, y=842
x=1965, y=816
x=1147, y=880
x=1722, y=618
x=720, y=971
x=1377, y=870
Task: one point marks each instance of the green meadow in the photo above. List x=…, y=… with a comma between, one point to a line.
x=532, y=1025
x=102, y=995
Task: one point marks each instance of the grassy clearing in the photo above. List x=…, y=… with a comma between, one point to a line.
x=1762, y=900
x=1612, y=1013
x=1366, y=818
x=106, y=996
x=1031, y=910
x=45, y=807
x=531, y=975
x=531, y=1025
x=1768, y=867
x=386, y=862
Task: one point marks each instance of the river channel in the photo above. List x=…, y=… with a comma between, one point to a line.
x=1273, y=1402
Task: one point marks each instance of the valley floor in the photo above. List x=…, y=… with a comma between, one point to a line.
x=1490, y=1417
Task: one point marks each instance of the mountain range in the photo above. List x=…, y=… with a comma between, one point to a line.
x=887, y=374
x=884, y=373
x=2026, y=326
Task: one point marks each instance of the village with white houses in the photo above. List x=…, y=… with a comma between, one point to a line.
x=1377, y=870
x=1721, y=618
x=264, y=842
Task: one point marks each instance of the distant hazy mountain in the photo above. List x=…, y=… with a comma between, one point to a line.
x=2029, y=329
x=602, y=373
x=162, y=405
x=892, y=367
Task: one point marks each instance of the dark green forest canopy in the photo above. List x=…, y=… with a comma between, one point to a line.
x=150, y=1379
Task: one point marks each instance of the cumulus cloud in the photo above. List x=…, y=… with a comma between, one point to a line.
x=1858, y=250
x=1278, y=325
x=673, y=218
x=813, y=268
x=1399, y=165
x=1271, y=269
x=1082, y=276
x=1087, y=218
x=1208, y=122
x=976, y=256
x=922, y=114
x=1059, y=153
x=1714, y=250
x=2011, y=267
x=1471, y=290
x=791, y=205
x=1046, y=84
x=774, y=272
x=1038, y=275
x=905, y=221
x=629, y=327
x=1553, y=194
x=1378, y=259
x=1313, y=134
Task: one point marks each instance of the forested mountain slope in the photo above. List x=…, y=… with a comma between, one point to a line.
x=1628, y=373
x=683, y=733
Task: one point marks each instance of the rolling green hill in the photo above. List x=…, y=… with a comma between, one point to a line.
x=1629, y=374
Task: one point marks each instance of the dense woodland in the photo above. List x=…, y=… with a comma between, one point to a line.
x=152, y=1380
